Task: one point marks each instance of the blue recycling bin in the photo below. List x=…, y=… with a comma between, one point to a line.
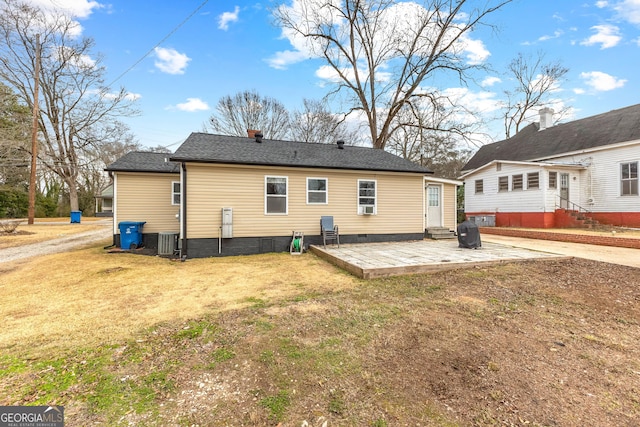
x=75, y=217
x=130, y=234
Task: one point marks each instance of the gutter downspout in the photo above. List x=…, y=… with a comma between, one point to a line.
x=183, y=214
x=114, y=204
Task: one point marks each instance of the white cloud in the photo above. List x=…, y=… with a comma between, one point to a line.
x=129, y=96
x=579, y=91
x=74, y=8
x=192, y=105
x=474, y=102
x=171, y=61
x=394, y=29
x=227, y=17
x=602, y=4
x=628, y=10
x=490, y=81
x=602, y=82
x=132, y=96
x=606, y=36
x=476, y=52
x=73, y=59
x=329, y=74
x=555, y=35
x=284, y=58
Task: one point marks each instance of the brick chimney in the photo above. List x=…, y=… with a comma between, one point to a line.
x=251, y=133
x=546, y=118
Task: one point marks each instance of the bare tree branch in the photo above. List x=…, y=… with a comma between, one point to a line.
x=535, y=82
x=382, y=51
x=76, y=109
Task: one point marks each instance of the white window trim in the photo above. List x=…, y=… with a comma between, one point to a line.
x=513, y=181
x=286, y=196
x=375, y=197
x=533, y=188
x=326, y=191
x=506, y=190
x=631, y=179
x=557, y=179
x=173, y=193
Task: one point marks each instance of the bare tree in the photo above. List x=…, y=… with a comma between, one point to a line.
x=15, y=125
x=380, y=52
x=434, y=136
x=96, y=157
x=315, y=123
x=77, y=111
x=535, y=83
x=249, y=110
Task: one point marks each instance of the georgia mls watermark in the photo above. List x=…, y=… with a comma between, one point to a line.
x=31, y=416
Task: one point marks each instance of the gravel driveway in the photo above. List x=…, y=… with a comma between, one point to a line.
x=60, y=244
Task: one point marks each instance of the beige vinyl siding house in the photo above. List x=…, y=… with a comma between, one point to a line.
x=446, y=215
x=266, y=190
x=209, y=190
x=143, y=191
x=146, y=197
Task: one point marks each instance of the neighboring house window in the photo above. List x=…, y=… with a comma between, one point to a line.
x=479, y=186
x=629, y=181
x=516, y=182
x=276, y=194
x=175, y=192
x=553, y=179
x=503, y=183
x=317, y=191
x=533, y=180
x=366, y=196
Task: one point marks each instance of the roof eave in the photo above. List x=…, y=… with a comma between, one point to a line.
x=209, y=161
x=140, y=170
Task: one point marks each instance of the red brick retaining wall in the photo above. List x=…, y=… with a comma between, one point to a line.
x=590, y=239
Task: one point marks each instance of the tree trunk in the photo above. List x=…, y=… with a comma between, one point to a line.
x=73, y=196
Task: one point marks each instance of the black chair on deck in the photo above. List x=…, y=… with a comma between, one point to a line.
x=328, y=230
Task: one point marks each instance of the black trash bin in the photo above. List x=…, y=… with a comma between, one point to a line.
x=468, y=235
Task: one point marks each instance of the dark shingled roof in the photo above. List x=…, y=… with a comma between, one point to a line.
x=208, y=148
x=141, y=161
x=531, y=144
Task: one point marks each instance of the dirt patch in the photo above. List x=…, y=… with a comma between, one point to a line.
x=546, y=343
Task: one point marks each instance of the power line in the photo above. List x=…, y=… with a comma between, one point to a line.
x=160, y=42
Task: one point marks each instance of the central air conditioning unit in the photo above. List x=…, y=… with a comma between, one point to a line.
x=367, y=210
x=167, y=243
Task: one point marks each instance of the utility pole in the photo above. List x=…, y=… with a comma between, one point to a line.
x=34, y=136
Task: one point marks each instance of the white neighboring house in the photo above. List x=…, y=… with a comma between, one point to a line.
x=540, y=176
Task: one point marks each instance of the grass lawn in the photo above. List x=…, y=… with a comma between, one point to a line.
x=46, y=229
x=123, y=339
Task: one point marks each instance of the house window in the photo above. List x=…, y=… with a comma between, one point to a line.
x=276, y=200
x=366, y=196
x=533, y=180
x=317, y=191
x=175, y=192
x=516, y=182
x=503, y=183
x=629, y=179
x=553, y=179
x=479, y=186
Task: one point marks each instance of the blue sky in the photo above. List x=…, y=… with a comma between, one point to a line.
x=227, y=47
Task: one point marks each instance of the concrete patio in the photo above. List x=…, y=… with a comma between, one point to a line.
x=372, y=260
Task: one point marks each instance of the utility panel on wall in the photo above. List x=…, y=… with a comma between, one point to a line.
x=227, y=223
